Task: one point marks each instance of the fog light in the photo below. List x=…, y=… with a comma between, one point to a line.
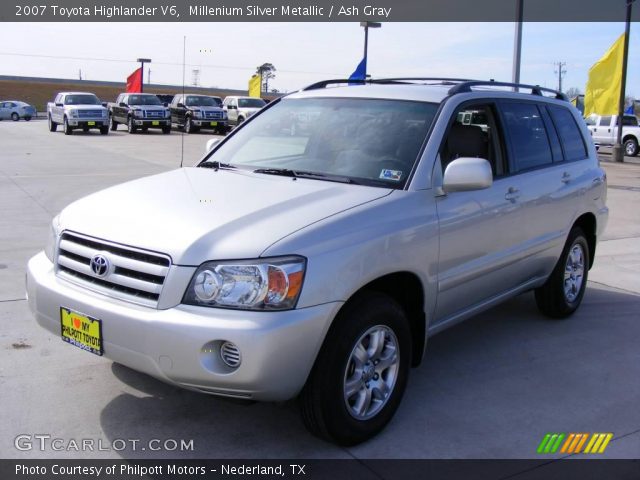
x=230, y=354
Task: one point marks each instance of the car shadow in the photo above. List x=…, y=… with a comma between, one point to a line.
x=487, y=388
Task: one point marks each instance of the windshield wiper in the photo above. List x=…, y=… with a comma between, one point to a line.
x=216, y=165
x=287, y=172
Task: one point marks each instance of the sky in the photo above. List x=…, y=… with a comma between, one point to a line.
x=227, y=54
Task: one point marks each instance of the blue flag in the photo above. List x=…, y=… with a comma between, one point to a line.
x=360, y=73
x=629, y=110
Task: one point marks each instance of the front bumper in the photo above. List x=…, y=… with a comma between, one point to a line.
x=214, y=124
x=152, y=123
x=180, y=345
x=88, y=122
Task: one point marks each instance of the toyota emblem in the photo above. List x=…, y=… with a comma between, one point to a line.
x=99, y=265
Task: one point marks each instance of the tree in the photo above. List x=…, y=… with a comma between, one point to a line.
x=573, y=92
x=267, y=71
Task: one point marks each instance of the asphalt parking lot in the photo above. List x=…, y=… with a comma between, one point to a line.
x=488, y=388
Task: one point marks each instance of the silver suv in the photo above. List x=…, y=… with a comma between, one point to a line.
x=317, y=261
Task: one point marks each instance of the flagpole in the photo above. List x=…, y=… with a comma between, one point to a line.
x=517, y=43
x=618, y=149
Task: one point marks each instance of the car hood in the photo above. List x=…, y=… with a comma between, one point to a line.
x=207, y=108
x=198, y=214
x=86, y=107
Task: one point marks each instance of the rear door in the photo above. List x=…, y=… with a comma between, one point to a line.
x=603, y=133
x=4, y=110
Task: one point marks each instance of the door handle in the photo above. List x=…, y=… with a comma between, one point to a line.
x=512, y=194
x=566, y=177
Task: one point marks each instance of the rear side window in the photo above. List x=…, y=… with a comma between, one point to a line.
x=605, y=121
x=629, y=121
x=527, y=134
x=569, y=133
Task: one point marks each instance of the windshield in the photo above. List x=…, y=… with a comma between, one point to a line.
x=87, y=99
x=368, y=141
x=251, y=103
x=202, y=101
x=144, y=100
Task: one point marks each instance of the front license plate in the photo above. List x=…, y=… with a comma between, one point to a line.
x=214, y=124
x=81, y=330
x=91, y=123
x=155, y=123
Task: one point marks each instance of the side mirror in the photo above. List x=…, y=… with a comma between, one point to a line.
x=180, y=105
x=467, y=173
x=59, y=104
x=211, y=144
x=231, y=107
x=165, y=104
x=104, y=104
x=122, y=104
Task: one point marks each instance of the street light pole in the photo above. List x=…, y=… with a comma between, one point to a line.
x=366, y=26
x=618, y=150
x=142, y=62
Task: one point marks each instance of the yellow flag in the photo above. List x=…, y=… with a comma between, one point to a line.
x=605, y=77
x=254, y=86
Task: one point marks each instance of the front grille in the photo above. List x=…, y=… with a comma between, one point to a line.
x=154, y=114
x=132, y=274
x=89, y=113
x=213, y=115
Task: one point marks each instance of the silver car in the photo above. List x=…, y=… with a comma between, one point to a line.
x=317, y=261
x=239, y=109
x=15, y=110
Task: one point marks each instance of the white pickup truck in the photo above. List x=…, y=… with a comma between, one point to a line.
x=77, y=110
x=604, y=130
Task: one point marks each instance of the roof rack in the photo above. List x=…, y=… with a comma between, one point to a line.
x=460, y=85
x=466, y=87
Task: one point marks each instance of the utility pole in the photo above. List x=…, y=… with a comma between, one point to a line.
x=149, y=76
x=618, y=152
x=80, y=74
x=561, y=71
x=517, y=43
x=142, y=62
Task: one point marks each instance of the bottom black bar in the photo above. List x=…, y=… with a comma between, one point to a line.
x=321, y=469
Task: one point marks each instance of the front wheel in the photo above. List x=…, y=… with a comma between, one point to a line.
x=114, y=125
x=166, y=130
x=53, y=126
x=15, y=117
x=131, y=127
x=562, y=294
x=67, y=128
x=104, y=130
x=361, y=372
x=631, y=147
x=188, y=125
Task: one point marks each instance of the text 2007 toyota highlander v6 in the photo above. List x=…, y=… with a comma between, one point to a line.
x=316, y=259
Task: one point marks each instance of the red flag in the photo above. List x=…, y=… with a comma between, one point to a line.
x=134, y=82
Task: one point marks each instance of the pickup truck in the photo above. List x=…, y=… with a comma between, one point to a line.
x=193, y=112
x=139, y=110
x=240, y=108
x=77, y=110
x=604, y=130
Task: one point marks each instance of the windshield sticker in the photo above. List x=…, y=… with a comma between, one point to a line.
x=394, y=175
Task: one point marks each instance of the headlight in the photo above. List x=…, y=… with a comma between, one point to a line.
x=73, y=113
x=263, y=284
x=52, y=239
x=167, y=113
x=137, y=113
x=224, y=114
x=196, y=113
x=104, y=113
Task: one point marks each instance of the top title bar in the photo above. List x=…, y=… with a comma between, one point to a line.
x=312, y=11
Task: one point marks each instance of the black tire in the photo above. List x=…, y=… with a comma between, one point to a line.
x=85, y=129
x=27, y=119
x=145, y=129
x=66, y=127
x=104, y=130
x=631, y=147
x=553, y=299
x=188, y=125
x=240, y=120
x=166, y=130
x=131, y=128
x=15, y=117
x=114, y=125
x=53, y=126
x=326, y=408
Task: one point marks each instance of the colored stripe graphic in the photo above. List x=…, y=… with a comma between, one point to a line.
x=574, y=443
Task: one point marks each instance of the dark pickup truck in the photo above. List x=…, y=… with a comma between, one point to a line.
x=193, y=112
x=139, y=111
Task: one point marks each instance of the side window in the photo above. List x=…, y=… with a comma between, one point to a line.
x=605, y=121
x=629, y=121
x=57, y=99
x=569, y=133
x=474, y=133
x=527, y=134
x=591, y=120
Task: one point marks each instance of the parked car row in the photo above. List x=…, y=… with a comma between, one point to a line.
x=142, y=111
